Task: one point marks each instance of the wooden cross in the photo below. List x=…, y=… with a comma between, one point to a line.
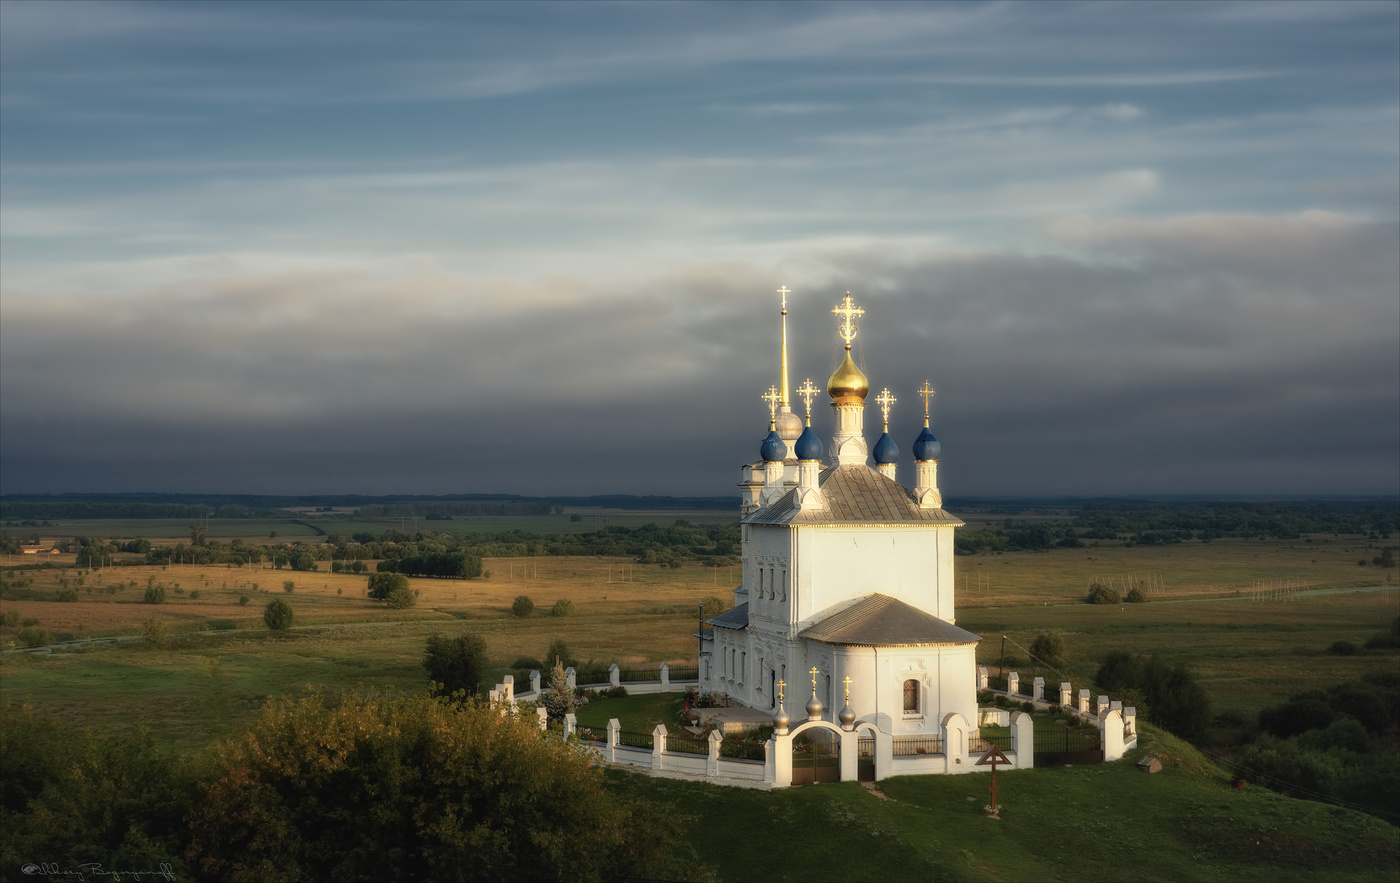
x=927, y=392
x=807, y=391
x=885, y=400
x=991, y=759
x=846, y=325
x=772, y=398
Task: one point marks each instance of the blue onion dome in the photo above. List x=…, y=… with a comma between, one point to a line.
x=774, y=449
x=809, y=447
x=886, y=451
x=926, y=447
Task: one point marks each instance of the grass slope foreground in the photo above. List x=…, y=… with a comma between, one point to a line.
x=1097, y=822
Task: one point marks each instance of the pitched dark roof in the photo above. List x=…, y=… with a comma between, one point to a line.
x=734, y=618
x=882, y=621
x=706, y=635
x=853, y=495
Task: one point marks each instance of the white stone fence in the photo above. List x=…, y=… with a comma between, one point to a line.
x=618, y=677
x=1117, y=725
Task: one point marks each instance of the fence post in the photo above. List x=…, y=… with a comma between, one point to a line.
x=1023, y=740
x=543, y=714
x=1084, y=701
x=570, y=724
x=658, y=745
x=614, y=675
x=1102, y=706
x=981, y=677
x=780, y=753
x=1116, y=705
x=1013, y=684
x=508, y=687
x=712, y=767
x=1065, y=690
x=613, y=729
x=1038, y=691
x=665, y=677
x=535, y=682
x=571, y=678
x=1111, y=735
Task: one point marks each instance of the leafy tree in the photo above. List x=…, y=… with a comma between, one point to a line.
x=155, y=595
x=455, y=664
x=562, y=607
x=559, y=650
x=115, y=799
x=415, y=788
x=523, y=606
x=278, y=615
x=1048, y=647
x=289, y=586
x=382, y=585
x=401, y=597
x=1135, y=596
x=1175, y=699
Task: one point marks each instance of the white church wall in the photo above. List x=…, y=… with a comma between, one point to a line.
x=835, y=566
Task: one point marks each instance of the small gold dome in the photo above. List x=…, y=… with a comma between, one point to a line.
x=848, y=383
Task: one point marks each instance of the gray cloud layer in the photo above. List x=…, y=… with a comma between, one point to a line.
x=1227, y=354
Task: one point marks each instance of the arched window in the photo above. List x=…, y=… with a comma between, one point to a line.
x=911, y=696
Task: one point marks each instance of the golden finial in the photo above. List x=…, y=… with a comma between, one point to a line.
x=814, y=680
x=849, y=313
x=784, y=291
x=781, y=685
x=927, y=392
x=885, y=400
x=807, y=390
x=847, y=681
x=772, y=398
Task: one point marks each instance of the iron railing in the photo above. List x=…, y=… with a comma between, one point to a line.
x=634, y=740
x=979, y=744
x=687, y=744
x=907, y=746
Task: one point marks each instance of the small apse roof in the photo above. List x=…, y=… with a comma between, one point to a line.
x=733, y=618
x=882, y=621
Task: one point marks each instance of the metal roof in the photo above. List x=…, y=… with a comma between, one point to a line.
x=853, y=495
x=733, y=618
x=882, y=621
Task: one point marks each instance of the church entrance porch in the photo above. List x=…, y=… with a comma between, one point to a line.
x=816, y=757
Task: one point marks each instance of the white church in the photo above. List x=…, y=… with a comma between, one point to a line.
x=846, y=572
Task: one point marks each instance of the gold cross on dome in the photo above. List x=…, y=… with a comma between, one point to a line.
x=849, y=313
x=885, y=400
x=814, y=680
x=784, y=291
x=807, y=391
x=847, y=680
x=772, y=398
x=781, y=685
x=927, y=392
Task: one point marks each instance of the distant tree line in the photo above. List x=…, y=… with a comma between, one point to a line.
x=1161, y=524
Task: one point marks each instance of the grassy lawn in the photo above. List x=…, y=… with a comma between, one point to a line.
x=636, y=714
x=1106, y=821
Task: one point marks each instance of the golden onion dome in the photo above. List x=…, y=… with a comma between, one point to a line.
x=848, y=383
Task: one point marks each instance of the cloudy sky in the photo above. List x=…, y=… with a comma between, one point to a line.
x=531, y=248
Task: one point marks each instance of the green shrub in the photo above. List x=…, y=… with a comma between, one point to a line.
x=154, y=632
x=558, y=650
x=154, y=595
x=222, y=625
x=1135, y=596
x=242, y=600
x=1102, y=594
x=562, y=607
x=68, y=595
x=712, y=606
x=277, y=615
x=33, y=636
x=289, y=586
x=1174, y=698
x=523, y=606
x=10, y=618
x=1343, y=648
x=401, y=597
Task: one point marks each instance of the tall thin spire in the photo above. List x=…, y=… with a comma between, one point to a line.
x=785, y=292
